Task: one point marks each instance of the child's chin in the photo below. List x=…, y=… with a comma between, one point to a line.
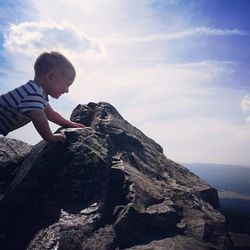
x=55, y=96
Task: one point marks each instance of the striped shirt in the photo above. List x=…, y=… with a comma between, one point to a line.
x=16, y=105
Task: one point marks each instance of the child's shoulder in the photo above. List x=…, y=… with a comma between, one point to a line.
x=31, y=87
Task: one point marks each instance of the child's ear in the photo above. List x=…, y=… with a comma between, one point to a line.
x=51, y=75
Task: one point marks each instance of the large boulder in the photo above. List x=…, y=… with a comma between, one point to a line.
x=108, y=187
x=12, y=154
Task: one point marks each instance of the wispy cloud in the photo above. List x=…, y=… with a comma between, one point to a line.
x=245, y=105
x=220, y=32
x=196, y=32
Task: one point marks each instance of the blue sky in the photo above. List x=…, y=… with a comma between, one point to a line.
x=178, y=70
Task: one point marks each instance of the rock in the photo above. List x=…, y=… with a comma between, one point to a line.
x=240, y=241
x=174, y=243
x=12, y=154
x=108, y=187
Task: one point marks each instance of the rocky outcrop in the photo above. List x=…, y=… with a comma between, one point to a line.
x=12, y=154
x=108, y=187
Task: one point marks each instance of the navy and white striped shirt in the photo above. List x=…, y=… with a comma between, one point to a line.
x=16, y=104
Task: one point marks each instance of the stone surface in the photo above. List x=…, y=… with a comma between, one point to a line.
x=12, y=154
x=240, y=241
x=108, y=187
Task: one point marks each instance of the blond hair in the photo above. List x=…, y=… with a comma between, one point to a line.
x=48, y=61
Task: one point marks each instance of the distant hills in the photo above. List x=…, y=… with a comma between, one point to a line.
x=231, y=181
x=229, y=177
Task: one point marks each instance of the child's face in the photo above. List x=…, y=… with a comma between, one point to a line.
x=58, y=84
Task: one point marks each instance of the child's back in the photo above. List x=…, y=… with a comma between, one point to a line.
x=16, y=104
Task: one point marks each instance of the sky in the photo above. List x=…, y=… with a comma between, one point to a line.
x=177, y=70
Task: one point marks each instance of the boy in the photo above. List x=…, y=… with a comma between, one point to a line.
x=54, y=74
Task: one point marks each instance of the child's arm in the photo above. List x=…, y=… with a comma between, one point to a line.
x=41, y=124
x=55, y=117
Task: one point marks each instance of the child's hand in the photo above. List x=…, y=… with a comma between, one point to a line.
x=75, y=125
x=58, y=138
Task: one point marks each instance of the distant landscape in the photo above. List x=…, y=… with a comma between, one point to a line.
x=223, y=177
x=231, y=181
x=233, y=185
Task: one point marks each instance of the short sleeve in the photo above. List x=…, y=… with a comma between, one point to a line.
x=33, y=101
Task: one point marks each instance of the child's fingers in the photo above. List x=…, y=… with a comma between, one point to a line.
x=77, y=125
x=80, y=125
x=59, y=138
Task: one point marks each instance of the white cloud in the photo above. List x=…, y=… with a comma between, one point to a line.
x=33, y=37
x=245, y=103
